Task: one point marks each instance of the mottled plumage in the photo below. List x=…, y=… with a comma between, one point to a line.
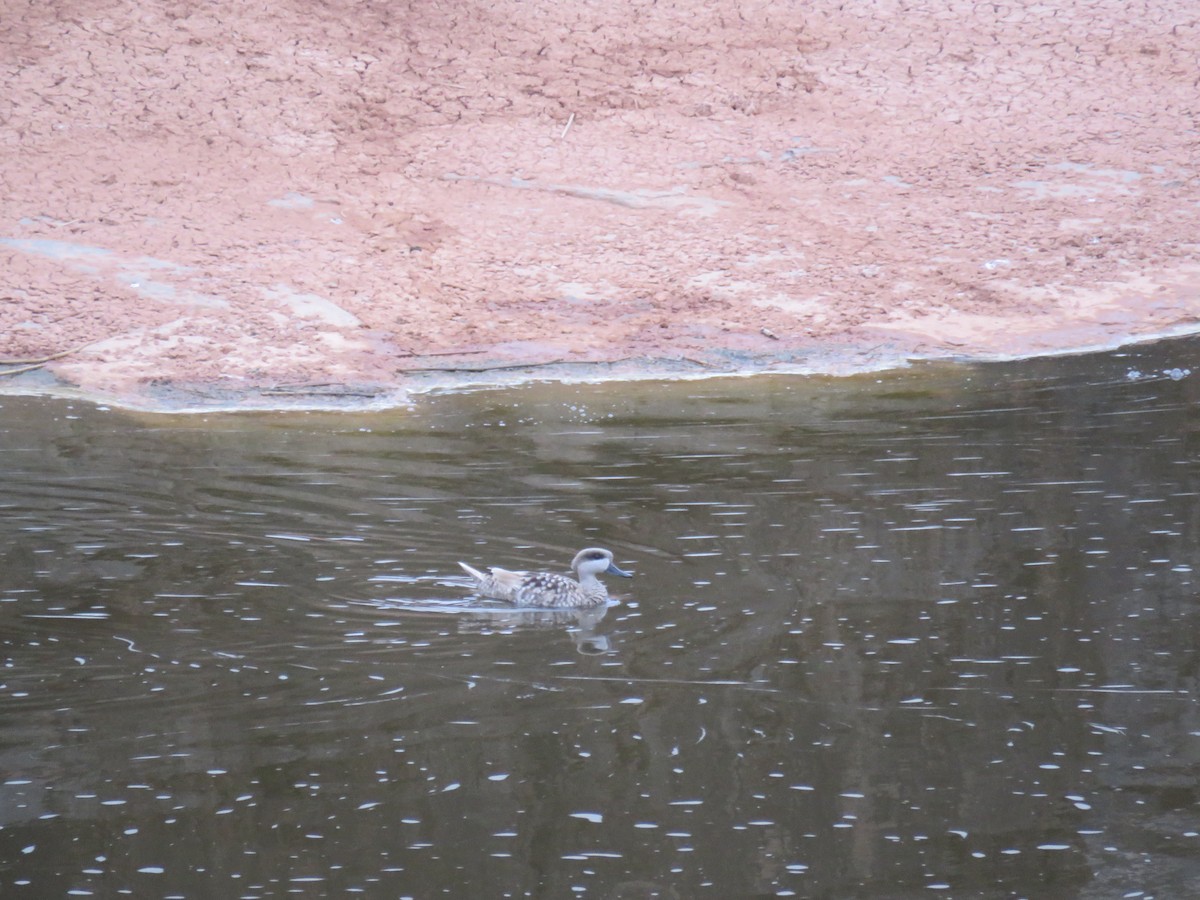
x=546, y=589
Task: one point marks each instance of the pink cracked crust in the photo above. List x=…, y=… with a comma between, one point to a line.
x=346, y=194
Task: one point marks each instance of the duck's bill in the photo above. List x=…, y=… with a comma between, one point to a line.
x=613, y=570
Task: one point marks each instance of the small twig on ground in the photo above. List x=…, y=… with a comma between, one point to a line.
x=570, y=122
x=496, y=368
x=42, y=360
x=28, y=365
x=20, y=369
x=302, y=385
x=527, y=365
x=409, y=354
x=299, y=389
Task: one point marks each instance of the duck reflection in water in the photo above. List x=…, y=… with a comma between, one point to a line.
x=581, y=625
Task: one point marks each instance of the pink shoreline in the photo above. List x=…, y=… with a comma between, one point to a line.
x=436, y=376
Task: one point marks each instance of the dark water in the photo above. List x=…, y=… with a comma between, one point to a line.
x=926, y=634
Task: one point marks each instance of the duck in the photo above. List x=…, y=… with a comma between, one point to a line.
x=548, y=590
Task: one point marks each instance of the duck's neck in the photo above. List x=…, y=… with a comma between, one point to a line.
x=590, y=583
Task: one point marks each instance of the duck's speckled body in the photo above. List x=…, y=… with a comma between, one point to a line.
x=548, y=590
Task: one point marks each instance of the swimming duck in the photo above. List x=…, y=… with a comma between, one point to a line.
x=545, y=589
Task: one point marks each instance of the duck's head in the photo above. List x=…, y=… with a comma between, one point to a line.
x=597, y=561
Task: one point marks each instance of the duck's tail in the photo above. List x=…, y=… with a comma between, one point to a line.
x=474, y=573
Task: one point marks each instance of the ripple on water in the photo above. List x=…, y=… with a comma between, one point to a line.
x=942, y=618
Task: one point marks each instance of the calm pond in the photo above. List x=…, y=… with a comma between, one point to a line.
x=926, y=633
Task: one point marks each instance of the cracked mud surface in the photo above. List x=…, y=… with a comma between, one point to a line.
x=339, y=202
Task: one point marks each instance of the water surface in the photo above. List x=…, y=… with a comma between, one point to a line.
x=929, y=633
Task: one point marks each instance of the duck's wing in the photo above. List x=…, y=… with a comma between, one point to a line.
x=500, y=584
x=546, y=589
x=473, y=572
x=506, y=579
